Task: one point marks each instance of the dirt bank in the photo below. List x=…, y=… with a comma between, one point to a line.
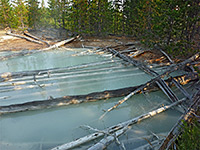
x=10, y=43
x=14, y=44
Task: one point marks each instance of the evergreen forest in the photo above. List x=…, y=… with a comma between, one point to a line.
x=168, y=24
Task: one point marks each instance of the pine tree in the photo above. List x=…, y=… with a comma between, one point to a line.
x=21, y=13
x=79, y=10
x=62, y=11
x=117, y=16
x=6, y=14
x=99, y=16
x=33, y=13
x=44, y=15
x=54, y=12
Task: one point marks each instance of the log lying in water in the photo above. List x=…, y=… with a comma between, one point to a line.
x=157, y=78
x=12, y=75
x=176, y=130
x=109, y=139
x=113, y=130
x=151, y=72
x=67, y=100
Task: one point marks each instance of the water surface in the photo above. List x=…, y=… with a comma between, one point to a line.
x=45, y=129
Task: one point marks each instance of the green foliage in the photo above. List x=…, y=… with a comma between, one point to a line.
x=44, y=17
x=197, y=70
x=189, y=139
x=33, y=13
x=170, y=24
x=53, y=10
x=6, y=14
x=20, y=11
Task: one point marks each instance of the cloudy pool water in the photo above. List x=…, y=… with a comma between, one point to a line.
x=73, y=74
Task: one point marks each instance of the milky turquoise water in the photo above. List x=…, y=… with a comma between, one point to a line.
x=45, y=129
x=106, y=74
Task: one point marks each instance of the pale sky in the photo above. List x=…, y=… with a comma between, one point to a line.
x=45, y=2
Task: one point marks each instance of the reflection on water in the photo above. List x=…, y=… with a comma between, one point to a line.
x=45, y=129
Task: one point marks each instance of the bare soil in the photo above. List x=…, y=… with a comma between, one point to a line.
x=9, y=43
x=14, y=44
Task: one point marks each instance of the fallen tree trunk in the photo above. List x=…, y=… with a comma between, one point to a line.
x=67, y=100
x=60, y=43
x=138, y=53
x=23, y=37
x=176, y=130
x=167, y=56
x=105, y=142
x=36, y=51
x=16, y=55
x=121, y=127
x=10, y=75
x=160, y=82
x=36, y=38
x=163, y=86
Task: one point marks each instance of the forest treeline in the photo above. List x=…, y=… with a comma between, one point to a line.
x=169, y=24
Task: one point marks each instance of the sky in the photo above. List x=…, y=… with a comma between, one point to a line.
x=45, y=2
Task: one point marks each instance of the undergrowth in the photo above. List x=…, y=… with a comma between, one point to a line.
x=190, y=137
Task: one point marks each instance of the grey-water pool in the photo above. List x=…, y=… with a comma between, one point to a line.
x=76, y=72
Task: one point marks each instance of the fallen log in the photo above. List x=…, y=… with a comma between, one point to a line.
x=105, y=142
x=163, y=86
x=181, y=88
x=156, y=79
x=23, y=37
x=138, y=53
x=59, y=77
x=95, y=96
x=36, y=51
x=36, y=38
x=23, y=53
x=60, y=43
x=10, y=75
x=68, y=100
x=121, y=127
x=167, y=56
x=176, y=130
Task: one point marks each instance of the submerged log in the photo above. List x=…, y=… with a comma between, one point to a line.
x=67, y=100
x=23, y=53
x=23, y=37
x=121, y=127
x=71, y=100
x=11, y=75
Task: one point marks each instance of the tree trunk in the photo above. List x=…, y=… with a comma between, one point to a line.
x=68, y=100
